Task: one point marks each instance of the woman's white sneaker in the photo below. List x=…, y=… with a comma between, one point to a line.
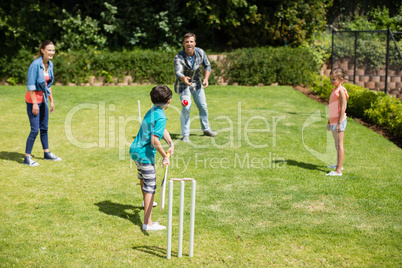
x=28, y=161
x=51, y=156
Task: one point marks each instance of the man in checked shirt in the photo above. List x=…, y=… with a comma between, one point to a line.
x=187, y=65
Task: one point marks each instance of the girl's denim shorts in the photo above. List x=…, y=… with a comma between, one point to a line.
x=343, y=125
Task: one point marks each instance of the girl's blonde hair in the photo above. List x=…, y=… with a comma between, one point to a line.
x=338, y=73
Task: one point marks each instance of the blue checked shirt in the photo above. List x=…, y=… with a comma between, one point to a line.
x=184, y=66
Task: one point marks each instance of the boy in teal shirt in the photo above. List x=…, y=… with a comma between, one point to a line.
x=144, y=148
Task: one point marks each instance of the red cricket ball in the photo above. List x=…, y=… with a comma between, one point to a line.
x=184, y=103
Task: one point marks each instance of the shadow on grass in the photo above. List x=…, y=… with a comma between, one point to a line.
x=295, y=113
x=13, y=156
x=120, y=210
x=301, y=164
x=176, y=136
x=157, y=251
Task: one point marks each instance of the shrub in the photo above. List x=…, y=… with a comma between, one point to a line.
x=287, y=66
x=386, y=111
x=322, y=86
x=320, y=47
x=142, y=65
x=360, y=99
x=15, y=69
x=251, y=66
x=78, y=32
x=294, y=66
x=12, y=81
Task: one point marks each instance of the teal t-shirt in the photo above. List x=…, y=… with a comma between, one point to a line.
x=154, y=122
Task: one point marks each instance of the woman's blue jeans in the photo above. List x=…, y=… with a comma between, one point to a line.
x=38, y=122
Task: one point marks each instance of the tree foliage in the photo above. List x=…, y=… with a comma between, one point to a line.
x=377, y=19
x=296, y=21
x=79, y=33
x=23, y=24
x=116, y=24
x=348, y=10
x=258, y=23
x=220, y=24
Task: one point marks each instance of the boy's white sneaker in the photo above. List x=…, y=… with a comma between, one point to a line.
x=334, y=167
x=154, y=227
x=155, y=204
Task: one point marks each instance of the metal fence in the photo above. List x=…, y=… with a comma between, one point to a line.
x=371, y=59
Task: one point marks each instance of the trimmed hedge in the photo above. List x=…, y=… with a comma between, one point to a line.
x=249, y=66
x=142, y=65
x=286, y=66
x=374, y=107
x=78, y=66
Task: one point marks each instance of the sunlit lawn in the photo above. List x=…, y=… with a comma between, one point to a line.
x=262, y=195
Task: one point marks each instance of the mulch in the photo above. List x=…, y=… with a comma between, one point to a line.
x=382, y=130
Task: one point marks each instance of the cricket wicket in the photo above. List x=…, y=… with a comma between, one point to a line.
x=192, y=217
x=139, y=112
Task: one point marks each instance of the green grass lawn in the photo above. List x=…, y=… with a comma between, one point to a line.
x=262, y=195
